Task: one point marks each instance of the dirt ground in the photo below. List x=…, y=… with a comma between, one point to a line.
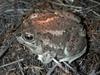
x=15, y=59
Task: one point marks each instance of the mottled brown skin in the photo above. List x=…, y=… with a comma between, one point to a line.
x=55, y=32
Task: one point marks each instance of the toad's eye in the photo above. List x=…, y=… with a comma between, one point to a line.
x=28, y=37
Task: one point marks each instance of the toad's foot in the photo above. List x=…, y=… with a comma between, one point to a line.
x=46, y=57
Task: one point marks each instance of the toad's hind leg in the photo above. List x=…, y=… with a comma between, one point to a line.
x=70, y=59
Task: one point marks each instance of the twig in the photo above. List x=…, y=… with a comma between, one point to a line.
x=26, y=67
x=21, y=69
x=59, y=64
x=20, y=60
x=19, y=10
x=24, y=2
x=69, y=66
x=7, y=43
x=65, y=5
x=95, y=2
x=98, y=72
x=60, y=1
x=51, y=69
x=91, y=7
x=96, y=13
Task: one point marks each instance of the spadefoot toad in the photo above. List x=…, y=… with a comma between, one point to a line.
x=50, y=35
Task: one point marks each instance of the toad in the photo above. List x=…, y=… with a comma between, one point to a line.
x=50, y=35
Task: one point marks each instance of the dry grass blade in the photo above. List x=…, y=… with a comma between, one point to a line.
x=14, y=62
